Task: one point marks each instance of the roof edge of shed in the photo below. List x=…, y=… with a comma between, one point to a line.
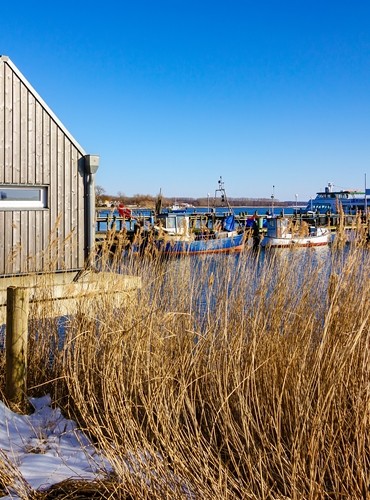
x=7, y=60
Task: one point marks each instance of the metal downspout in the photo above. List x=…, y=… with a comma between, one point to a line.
x=91, y=167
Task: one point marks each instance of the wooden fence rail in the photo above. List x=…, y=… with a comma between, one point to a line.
x=54, y=300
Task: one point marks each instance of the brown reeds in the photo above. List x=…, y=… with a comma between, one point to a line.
x=230, y=377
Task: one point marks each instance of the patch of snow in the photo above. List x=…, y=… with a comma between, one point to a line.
x=47, y=448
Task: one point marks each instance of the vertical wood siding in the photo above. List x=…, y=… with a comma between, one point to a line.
x=35, y=150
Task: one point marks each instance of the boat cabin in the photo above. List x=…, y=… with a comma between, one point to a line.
x=277, y=227
x=174, y=224
x=329, y=201
x=281, y=227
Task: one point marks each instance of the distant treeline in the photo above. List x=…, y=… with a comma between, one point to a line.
x=146, y=200
x=235, y=202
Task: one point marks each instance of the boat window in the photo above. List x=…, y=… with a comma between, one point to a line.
x=322, y=206
x=23, y=197
x=170, y=223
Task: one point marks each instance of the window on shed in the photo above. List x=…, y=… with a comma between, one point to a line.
x=22, y=197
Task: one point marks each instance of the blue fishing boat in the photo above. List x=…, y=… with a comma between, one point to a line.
x=176, y=236
x=183, y=233
x=223, y=244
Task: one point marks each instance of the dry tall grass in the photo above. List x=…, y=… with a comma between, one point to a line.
x=228, y=377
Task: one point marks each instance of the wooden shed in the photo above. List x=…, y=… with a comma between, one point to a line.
x=46, y=184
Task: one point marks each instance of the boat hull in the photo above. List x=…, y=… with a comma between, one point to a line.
x=202, y=246
x=282, y=233
x=314, y=241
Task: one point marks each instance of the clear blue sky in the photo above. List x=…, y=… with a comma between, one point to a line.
x=173, y=94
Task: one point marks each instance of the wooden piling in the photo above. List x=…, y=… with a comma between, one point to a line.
x=16, y=343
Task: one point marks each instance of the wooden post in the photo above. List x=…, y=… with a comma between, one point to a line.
x=17, y=307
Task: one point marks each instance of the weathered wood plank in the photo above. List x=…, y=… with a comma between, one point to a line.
x=53, y=195
x=17, y=241
x=59, y=299
x=8, y=126
x=81, y=213
x=60, y=198
x=39, y=166
x=31, y=241
x=74, y=221
x=2, y=236
x=46, y=148
x=38, y=239
x=24, y=242
x=67, y=206
x=24, y=136
x=31, y=153
x=2, y=124
x=8, y=242
x=16, y=130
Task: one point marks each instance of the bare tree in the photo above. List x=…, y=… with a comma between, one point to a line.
x=99, y=192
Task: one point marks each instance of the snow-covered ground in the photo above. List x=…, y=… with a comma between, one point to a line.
x=46, y=448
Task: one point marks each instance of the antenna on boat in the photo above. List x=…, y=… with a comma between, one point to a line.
x=272, y=200
x=221, y=186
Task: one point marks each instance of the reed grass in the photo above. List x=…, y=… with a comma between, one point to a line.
x=232, y=377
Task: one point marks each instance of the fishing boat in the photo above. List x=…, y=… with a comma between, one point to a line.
x=176, y=236
x=184, y=233
x=283, y=233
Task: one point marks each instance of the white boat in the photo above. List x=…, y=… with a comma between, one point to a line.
x=282, y=233
x=330, y=201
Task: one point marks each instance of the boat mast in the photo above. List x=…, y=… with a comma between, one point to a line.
x=365, y=204
x=158, y=203
x=221, y=190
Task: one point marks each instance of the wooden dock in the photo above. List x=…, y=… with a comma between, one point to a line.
x=114, y=227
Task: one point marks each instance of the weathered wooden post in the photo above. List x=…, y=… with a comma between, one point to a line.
x=16, y=343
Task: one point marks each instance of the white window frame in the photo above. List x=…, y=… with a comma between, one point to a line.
x=18, y=202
